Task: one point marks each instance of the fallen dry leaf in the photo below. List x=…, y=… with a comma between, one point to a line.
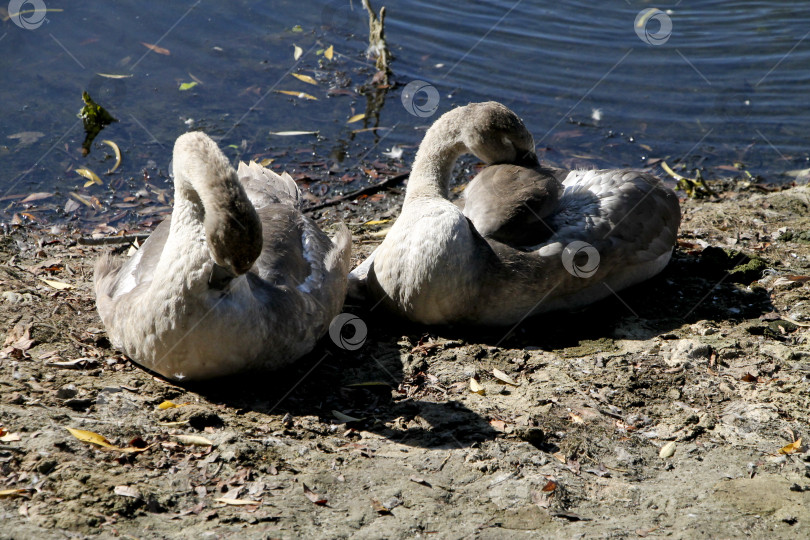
x=14, y=493
x=127, y=491
x=792, y=448
x=58, y=285
x=90, y=175
x=314, y=497
x=193, y=440
x=503, y=377
x=99, y=440
x=476, y=388
x=667, y=451
x=170, y=405
x=551, y=485
x=237, y=502
x=380, y=508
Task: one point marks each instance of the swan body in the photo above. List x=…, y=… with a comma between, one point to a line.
x=237, y=278
x=528, y=240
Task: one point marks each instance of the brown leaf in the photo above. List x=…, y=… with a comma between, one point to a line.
x=749, y=378
x=551, y=485
x=314, y=497
x=155, y=48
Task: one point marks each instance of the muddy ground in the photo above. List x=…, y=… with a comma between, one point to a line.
x=711, y=359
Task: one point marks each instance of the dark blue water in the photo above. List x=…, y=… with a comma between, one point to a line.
x=707, y=84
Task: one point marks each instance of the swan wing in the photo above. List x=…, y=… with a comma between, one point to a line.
x=265, y=187
x=628, y=216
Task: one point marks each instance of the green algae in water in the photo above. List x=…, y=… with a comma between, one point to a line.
x=94, y=117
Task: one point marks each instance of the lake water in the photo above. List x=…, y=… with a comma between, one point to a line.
x=705, y=84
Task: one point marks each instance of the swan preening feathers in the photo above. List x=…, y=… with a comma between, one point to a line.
x=517, y=247
x=239, y=278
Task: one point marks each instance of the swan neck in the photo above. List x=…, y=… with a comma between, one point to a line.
x=433, y=166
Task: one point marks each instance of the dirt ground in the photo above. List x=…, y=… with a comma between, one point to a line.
x=660, y=413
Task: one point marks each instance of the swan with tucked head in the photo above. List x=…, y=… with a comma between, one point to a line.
x=517, y=246
x=237, y=278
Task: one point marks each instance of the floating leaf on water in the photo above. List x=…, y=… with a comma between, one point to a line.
x=193, y=440
x=312, y=496
x=476, y=388
x=117, y=154
x=90, y=175
x=306, y=78
x=503, y=377
x=792, y=448
x=237, y=502
x=114, y=76
x=292, y=133
x=329, y=52
x=81, y=199
x=27, y=137
x=187, y=86
x=297, y=52
x=301, y=95
x=356, y=118
x=297, y=28
x=59, y=285
x=156, y=49
x=36, y=197
x=266, y=161
x=345, y=418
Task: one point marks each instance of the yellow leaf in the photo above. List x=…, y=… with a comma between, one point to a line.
x=377, y=221
x=188, y=86
x=301, y=95
x=117, y=154
x=356, y=118
x=13, y=493
x=168, y=405
x=306, y=78
x=194, y=440
x=330, y=52
x=100, y=440
x=503, y=377
x=476, y=388
x=81, y=199
x=266, y=161
x=114, y=76
x=297, y=52
x=91, y=437
x=90, y=175
x=236, y=502
x=667, y=451
x=791, y=448
x=58, y=285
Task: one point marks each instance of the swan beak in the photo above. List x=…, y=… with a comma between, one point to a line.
x=220, y=277
x=528, y=159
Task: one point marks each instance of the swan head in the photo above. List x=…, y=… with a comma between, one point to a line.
x=495, y=134
x=204, y=178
